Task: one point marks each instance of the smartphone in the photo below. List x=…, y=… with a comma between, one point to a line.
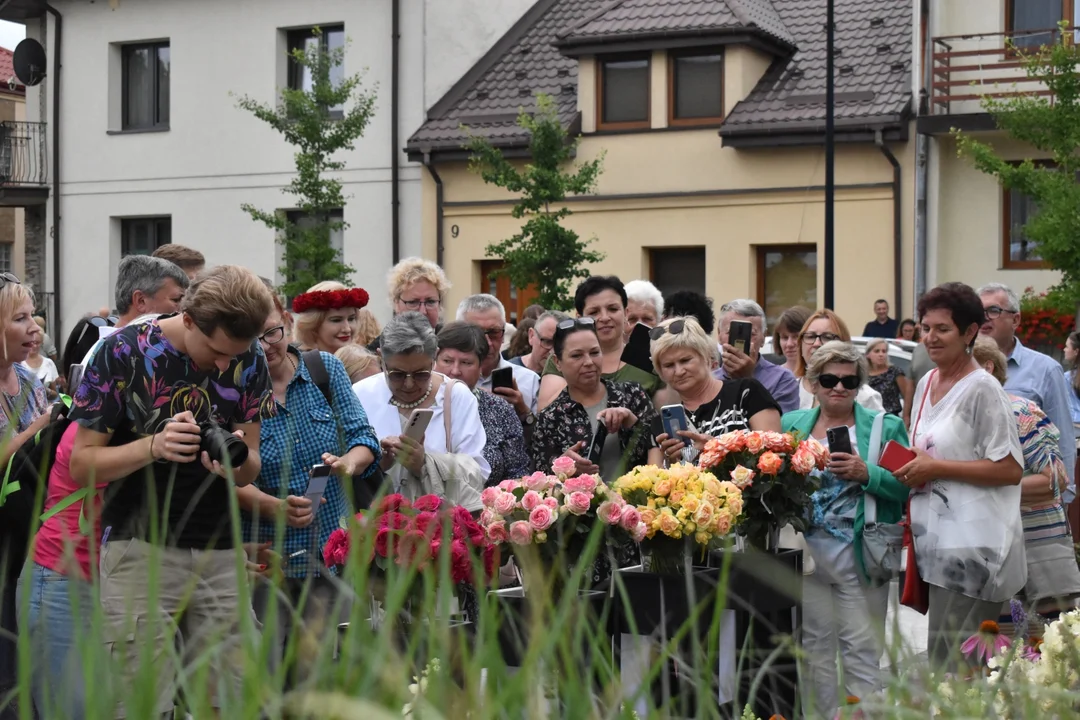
x=839, y=439
x=638, y=350
x=416, y=425
x=740, y=331
x=596, y=447
x=895, y=456
x=674, y=419
x=317, y=479
x=502, y=378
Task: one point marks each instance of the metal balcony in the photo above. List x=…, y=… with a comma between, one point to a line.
x=24, y=166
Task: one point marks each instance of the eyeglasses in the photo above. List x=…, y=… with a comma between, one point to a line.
x=417, y=304
x=273, y=336
x=397, y=378
x=547, y=343
x=850, y=382
x=994, y=312
x=7, y=277
x=674, y=328
x=495, y=334
x=581, y=323
x=811, y=338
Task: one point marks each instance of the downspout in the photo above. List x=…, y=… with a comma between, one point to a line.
x=438, y=209
x=395, y=151
x=922, y=163
x=898, y=237
x=58, y=30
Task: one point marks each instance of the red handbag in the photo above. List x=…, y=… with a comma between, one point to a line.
x=916, y=591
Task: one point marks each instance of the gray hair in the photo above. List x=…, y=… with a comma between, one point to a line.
x=147, y=274
x=555, y=315
x=481, y=302
x=743, y=308
x=643, y=291
x=837, y=351
x=1014, y=300
x=408, y=333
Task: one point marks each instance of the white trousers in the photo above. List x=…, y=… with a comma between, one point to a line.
x=840, y=615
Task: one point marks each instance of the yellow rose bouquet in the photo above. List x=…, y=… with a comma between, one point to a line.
x=679, y=506
x=774, y=471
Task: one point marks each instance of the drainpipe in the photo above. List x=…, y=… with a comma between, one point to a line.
x=922, y=164
x=395, y=151
x=438, y=209
x=58, y=30
x=898, y=237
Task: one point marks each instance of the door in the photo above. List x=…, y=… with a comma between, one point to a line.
x=514, y=300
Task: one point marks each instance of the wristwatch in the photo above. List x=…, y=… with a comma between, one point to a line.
x=529, y=420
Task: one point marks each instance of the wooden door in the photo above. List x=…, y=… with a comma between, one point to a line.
x=514, y=300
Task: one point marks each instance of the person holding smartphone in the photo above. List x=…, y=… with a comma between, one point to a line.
x=307, y=443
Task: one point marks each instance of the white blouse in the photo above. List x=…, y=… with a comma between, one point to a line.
x=968, y=539
x=466, y=430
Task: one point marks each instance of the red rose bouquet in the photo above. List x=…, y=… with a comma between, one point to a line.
x=775, y=473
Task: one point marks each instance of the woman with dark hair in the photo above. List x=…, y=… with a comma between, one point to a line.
x=462, y=348
x=520, y=344
x=965, y=478
x=687, y=303
x=785, y=339
x=908, y=330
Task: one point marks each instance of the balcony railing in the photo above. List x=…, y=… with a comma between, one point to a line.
x=23, y=153
x=966, y=68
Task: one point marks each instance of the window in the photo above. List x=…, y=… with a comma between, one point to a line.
x=514, y=300
x=145, y=86
x=142, y=236
x=623, y=92
x=786, y=276
x=6, y=257
x=674, y=269
x=1022, y=17
x=300, y=78
x=695, y=88
x=1017, y=251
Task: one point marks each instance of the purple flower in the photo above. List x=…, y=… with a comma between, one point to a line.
x=1019, y=618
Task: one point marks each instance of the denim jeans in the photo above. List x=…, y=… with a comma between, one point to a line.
x=52, y=608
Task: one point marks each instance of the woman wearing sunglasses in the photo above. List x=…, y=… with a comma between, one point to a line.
x=842, y=609
x=620, y=411
x=823, y=327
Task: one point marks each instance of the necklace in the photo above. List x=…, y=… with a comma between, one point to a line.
x=410, y=406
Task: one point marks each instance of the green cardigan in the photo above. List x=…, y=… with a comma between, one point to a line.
x=891, y=493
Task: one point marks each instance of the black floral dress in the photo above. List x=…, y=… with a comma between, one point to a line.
x=505, y=449
x=886, y=384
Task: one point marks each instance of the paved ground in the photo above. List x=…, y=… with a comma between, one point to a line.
x=907, y=626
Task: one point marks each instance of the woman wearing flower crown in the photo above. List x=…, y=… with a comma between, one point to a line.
x=327, y=316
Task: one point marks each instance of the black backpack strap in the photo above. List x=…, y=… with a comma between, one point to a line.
x=317, y=369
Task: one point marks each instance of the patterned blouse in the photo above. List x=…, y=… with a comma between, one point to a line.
x=505, y=450
x=26, y=407
x=565, y=422
x=886, y=384
x=1039, y=441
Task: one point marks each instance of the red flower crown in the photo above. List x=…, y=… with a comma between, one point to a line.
x=330, y=300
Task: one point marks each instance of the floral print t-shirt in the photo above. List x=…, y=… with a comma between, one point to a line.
x=138, y=380
x=25, y=407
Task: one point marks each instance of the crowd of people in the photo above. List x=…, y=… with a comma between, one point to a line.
x=198, y=375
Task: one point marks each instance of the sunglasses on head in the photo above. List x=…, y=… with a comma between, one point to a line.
x=674, y=328
x=850, y=382
x=575, y=324
x=93, y=321
x=6, y=278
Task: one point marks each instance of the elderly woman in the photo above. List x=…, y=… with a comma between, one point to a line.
x=895, y=389
x=843, y=611
x=359, y=362
x=644, y=304
x=1053, y=578
x=785, y=339
x=822, y=327
x=326, y=316
x=416, y=285
x=683, y=355
x=450, y=460
x=965, y=506
x=568, y=424
x=462, y=349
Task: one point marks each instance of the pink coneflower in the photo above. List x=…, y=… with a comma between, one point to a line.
x=1033, y=652
x=986, y=643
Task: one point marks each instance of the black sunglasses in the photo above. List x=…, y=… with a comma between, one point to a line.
x=575, y=324
x=850, y=382
x=674, y=328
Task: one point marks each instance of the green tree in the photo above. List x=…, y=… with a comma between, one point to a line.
x=1051, y=124
x=544, y=253
x=313, y=122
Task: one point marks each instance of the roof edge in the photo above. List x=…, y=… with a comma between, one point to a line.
x=750, y=34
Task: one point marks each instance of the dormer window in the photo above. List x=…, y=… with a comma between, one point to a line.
x=623, y=92
x=695, y=87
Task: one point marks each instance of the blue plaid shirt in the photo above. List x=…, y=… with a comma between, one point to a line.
x=293, y=441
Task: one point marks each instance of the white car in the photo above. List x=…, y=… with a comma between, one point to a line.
x=899, y=351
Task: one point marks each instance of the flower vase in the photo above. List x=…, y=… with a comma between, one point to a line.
x=667, y=556
x=767, y=540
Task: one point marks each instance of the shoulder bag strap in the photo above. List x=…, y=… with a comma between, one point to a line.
x=447, y=395
x=317, y=370
x=872, y=455
x=922, y=403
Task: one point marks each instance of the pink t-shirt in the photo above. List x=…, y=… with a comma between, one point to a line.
x=58, y=538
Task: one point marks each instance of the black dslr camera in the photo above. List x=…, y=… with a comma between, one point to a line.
x=222, y=445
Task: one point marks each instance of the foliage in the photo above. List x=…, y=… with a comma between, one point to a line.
x=544, y=253
x=1045, y=320
x=1050, y=124
x=307, y=121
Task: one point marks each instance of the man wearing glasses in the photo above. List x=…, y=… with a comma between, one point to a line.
x=735, y=363
x=541, y=340
x=1030, y=374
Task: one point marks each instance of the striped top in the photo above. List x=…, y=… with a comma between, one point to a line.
x=1039, y=441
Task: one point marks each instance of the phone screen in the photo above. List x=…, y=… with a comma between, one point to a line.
x=318, y=478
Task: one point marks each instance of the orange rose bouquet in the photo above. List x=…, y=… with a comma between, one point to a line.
x=774, y=471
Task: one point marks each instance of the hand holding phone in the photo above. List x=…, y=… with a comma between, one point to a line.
x=839, y=440
x=674, y=420
x=739, y=333
x=417, y=424
x=502, y=378
x=596, y=447
x=317, y=481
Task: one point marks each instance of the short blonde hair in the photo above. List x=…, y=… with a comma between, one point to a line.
x=873, y=343
x=357, y=360
x=987, y=351
x=307, y=323
x=12, y=297
x=837, y=351
x=367, y=328
x=229, y=297
x=692, y=338
x=413, y=270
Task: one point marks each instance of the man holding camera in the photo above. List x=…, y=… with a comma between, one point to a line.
x=169, y=412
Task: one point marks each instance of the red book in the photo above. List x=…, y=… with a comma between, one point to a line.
x=895, y=456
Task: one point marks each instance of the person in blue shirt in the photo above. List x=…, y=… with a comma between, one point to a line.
x=1030, y=374
x=882, y=325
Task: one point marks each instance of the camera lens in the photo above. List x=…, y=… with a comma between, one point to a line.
x=223, y=446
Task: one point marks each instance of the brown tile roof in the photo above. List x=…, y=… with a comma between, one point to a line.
x=873, y=82
x=7, y=73
x=639, y=19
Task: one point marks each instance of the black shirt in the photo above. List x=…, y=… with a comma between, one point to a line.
x=887, y=329
x=738, y=401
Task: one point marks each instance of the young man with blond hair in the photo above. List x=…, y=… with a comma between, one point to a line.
x=190, y=260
